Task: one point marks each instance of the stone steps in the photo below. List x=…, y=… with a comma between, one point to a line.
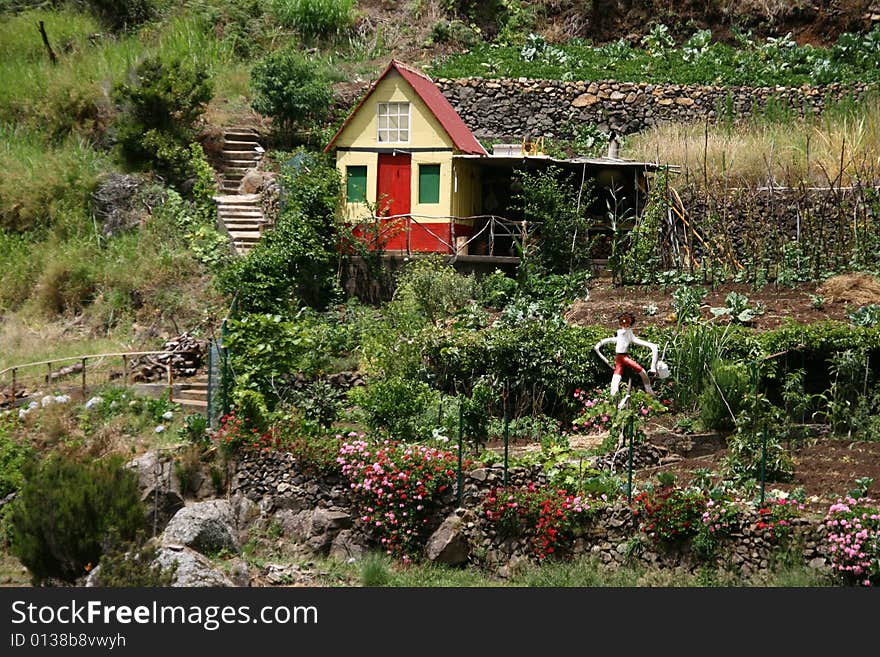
x=193, y=394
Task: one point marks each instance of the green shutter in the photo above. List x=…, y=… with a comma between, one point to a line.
x=429, y=183
x=356, y=184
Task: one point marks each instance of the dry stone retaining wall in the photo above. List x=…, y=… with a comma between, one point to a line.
x=317, y=513
x=513, y=108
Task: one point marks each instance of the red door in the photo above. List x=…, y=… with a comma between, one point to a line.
x=393, y=194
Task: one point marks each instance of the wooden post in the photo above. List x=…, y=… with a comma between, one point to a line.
x=452, y=236
x=124, y=370
x=52, y=57
x=84, y=377
x=170, y=380
x=13, y=386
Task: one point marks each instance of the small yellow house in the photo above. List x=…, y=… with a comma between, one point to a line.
x=412, y=168
x=395, y=152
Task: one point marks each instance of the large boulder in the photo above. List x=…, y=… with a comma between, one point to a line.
x=208, y=527
x=193, y=569
x=449, y=544
x=315, y=528
x=159, y=487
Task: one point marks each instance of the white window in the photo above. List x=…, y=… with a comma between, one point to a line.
x=392, y=122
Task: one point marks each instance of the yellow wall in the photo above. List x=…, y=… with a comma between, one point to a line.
x=425, y=132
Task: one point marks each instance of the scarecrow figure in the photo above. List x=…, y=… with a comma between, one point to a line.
x=624, y=338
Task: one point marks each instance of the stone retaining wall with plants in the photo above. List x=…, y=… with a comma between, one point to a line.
x=514, y=108
x=610, y=532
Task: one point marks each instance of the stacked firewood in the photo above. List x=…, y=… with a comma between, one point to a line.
x=186, y=356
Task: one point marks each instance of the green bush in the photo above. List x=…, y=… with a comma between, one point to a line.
x=496, y=289
x=431, y=289
x=13, y=458
x=66, y=509
x=121, y=15
x=292, y=89
x=757, y=444
x=319, y=402
x=722, y=397
x=250, y=406
x=556, y=203
x=296, y=263
x=132, y=564
x=398, y=407
x=160, y=108
x=264, y=350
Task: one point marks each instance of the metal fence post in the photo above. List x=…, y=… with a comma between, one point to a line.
x=460, y=432
x=629, y=483
x=506, y=428
x=763, y=460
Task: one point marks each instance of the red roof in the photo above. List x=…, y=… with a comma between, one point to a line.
x=436, y=102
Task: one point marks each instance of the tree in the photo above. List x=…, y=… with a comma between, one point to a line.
x=292, y=89
x=160, y=108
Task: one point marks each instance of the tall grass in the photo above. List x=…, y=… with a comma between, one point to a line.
x=315, y=19
x=692, y=353
x=841, y=147
x=46, y=184
x=379, y=571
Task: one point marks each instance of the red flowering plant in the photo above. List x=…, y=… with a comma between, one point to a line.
x=549, y=516
x=854, y=536
x=234, y=436
x=670, y=514
x=777, y=514
x=396, y=486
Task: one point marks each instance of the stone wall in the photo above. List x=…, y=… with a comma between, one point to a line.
x=512, y=108
x=316, y=514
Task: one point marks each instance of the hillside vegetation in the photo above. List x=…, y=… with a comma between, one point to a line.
x=110, y=116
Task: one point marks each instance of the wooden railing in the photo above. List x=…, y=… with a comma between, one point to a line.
x=391, y=226
x=82, y=361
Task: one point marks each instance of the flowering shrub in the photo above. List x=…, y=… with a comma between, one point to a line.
x=599, y=409
x=233, y=436
x=395, y=485
x=777, y=514
x=854, y=534
x=721, y=516
x=669, y=514
x=551, y=517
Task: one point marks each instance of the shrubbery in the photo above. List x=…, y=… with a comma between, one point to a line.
x=160, y=108
x=295, y=264
x=292, y=89
x=65, y=511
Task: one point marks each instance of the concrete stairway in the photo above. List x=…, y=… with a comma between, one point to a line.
x=241, y=215
x=241, y=151
x=193, y=394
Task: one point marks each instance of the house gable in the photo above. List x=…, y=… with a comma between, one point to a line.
x=434, y=122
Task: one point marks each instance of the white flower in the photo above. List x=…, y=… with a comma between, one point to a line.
x=167, y=415
x=93, y=401
x=62, y=399
x=45, y=401
x=33, y=404
x=160, y=428
x=22, y=412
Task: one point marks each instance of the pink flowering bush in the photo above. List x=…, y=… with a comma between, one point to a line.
x=395, y=486
x=550, y=517
x=721, y=516
x=598, y=409
x=854, y=536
